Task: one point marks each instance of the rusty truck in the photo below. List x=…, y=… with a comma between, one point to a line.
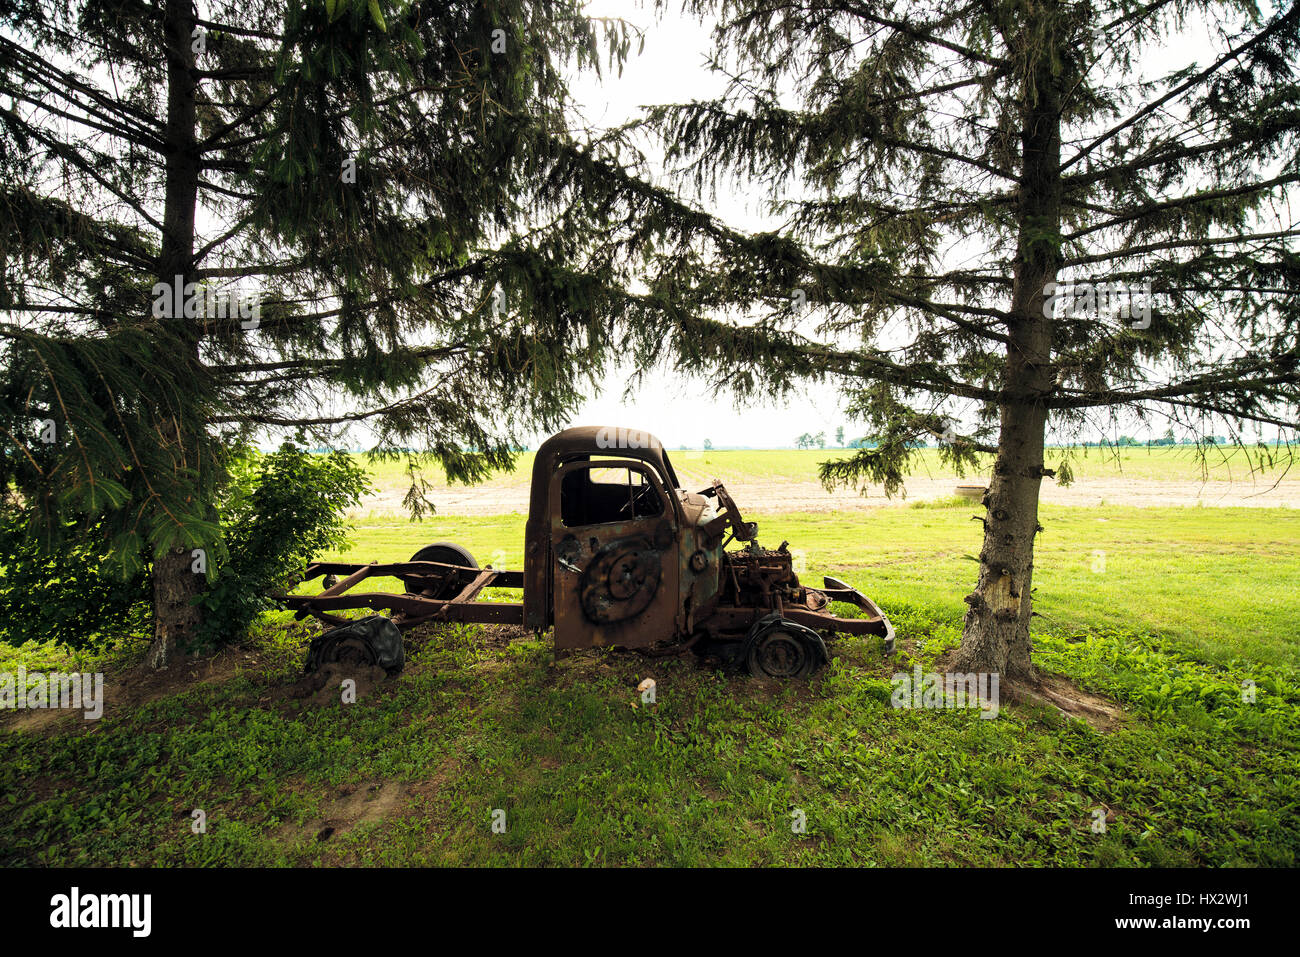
x=616, y=554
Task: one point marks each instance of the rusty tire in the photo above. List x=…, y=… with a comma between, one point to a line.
x=784, y=653
x=449, y=553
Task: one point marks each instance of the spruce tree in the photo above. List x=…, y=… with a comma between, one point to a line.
x=974, y=200
x=227, y=219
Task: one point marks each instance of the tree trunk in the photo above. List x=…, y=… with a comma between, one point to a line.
x=175, y=584
x=175, y=618
x=995, y=635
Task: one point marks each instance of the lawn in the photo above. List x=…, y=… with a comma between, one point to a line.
x=1185, y=618
x=1222, y=582
x=696, y=468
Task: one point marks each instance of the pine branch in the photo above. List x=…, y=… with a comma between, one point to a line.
x=1286, y=19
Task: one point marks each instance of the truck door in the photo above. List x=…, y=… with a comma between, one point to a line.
x=614, y=544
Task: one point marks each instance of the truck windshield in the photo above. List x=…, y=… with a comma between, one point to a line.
x=672, y=476
x=597, y=495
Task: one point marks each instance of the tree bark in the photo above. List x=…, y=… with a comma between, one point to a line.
x=995, y=635
x=175, y=584
x=175, y=618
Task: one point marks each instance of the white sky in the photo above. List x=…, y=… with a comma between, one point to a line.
x=671, y=69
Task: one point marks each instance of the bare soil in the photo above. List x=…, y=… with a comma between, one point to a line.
x=1058, y=692
x=325, y=687
x=129, y=689
x=355, y=805
x=346, y=808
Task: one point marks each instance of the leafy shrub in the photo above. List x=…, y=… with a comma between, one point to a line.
x=279, y=511
x=67, y=597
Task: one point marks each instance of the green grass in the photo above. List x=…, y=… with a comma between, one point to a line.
x=1223, y=582
x=1191, y=604
x=698, y=468
x=710, y=775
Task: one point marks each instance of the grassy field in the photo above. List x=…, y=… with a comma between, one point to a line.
x=696, y=468
x=1185, y=619
x=1222, y=582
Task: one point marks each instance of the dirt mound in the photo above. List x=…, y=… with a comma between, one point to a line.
x=327, y=686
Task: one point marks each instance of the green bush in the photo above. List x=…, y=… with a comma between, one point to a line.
x=277, y=511
x=68, y=597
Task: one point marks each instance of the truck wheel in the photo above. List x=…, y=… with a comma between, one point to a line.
x=449, y=553
x=373, y=640
x=781, y=652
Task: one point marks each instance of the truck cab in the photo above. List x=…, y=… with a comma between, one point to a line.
x=616, y=552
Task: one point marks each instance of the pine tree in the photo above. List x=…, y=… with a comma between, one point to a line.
x=973, y=199
x=225, y=219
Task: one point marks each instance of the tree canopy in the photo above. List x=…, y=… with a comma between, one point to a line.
x=225, y=220
x=996, y=219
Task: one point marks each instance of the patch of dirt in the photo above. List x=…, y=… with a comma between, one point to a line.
x=129, y=689
x=37, y=720
x=759, y=496
x=499, y=636
x=1059, y=692
x=325, y=687
x=363, y=804
x=350, y=806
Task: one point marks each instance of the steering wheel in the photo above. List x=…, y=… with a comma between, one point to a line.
x=634, y=498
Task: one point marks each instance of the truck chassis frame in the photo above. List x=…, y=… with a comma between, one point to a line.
x=426, y=581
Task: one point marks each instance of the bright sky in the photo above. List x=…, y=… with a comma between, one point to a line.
x=671, y=69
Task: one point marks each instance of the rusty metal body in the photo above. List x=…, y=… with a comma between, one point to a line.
x=636, y=564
